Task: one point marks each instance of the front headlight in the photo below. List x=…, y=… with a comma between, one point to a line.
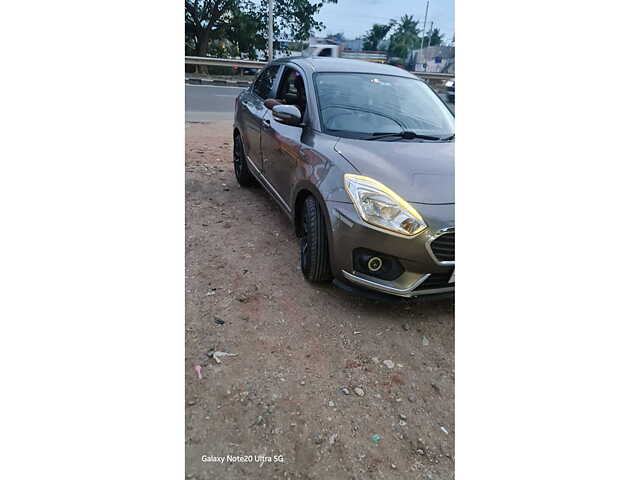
x=380, y=206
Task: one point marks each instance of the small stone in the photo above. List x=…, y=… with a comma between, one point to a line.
x=444, y=430
x=219, y=321
x=331, y=404
x=318, y=439
x=402, y=417
x=191, y=403
x=333, y=438
x=420, y=451
x=345, y=390
x=411, y=397
x=402, y=423
x=359, y=391
x=393, y=466
x=389, y=363
x=425, y=342
x=405, y=327
x=302, y=382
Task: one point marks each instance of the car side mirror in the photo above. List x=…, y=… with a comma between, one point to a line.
x=287, y=114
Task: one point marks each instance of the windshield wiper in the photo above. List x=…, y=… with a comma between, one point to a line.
x=406, y=134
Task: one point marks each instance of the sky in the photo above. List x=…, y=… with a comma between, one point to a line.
x=355, y=17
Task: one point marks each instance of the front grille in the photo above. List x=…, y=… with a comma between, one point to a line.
x=437, y=280
x=444, y=247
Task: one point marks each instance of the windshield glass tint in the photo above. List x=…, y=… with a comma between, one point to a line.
x=359, y=104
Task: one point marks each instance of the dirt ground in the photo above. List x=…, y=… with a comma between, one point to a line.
x=298, y=346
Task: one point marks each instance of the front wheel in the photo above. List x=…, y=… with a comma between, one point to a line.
x=314, y=244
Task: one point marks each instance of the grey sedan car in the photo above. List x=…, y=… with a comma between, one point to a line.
x=360, y=157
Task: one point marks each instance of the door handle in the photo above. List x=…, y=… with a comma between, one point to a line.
x=266, y=123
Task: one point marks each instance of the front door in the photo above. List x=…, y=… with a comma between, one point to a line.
x=281, y=144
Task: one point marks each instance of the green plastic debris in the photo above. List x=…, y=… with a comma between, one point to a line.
x=376, y=438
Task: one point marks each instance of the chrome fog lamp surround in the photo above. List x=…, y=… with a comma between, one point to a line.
x=374, y=264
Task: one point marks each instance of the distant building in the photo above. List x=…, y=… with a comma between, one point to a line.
x=356, y=45
x=439, y=59
x=353, y=45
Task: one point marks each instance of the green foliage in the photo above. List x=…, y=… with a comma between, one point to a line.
x=242, y=30
x=293, y=19
x=376, y=34
x=405, y=37
x=436, y=38
x=244, y=24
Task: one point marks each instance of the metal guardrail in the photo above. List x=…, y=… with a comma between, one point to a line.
x=232, y=62
x=223, y=62
x=363, y=56
x=434, y=75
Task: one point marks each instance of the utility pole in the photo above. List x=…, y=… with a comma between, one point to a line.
x=430, y=33
x=424, y=26
x=270, y=30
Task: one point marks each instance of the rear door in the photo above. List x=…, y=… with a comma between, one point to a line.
x=252, y=110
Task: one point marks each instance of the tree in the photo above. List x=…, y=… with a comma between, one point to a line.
x=203, y=19
x=292, y=19
x=405, y=37
x=243, y=31
x=436, y=38
x=376, y=34
x=245, y=22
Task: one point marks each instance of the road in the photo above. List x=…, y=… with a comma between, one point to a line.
x=205, y=103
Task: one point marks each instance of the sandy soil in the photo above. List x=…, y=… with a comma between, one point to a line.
x=297, y=346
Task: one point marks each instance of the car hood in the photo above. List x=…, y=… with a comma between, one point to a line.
x=420, y=172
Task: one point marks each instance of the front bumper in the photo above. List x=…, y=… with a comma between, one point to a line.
x=423, y=273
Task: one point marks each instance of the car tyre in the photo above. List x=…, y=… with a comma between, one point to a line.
x=314, y=244
x=243, y=175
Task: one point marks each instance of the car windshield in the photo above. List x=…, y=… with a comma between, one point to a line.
x=357, y=105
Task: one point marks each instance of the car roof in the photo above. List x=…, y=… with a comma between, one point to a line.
x=331, y=64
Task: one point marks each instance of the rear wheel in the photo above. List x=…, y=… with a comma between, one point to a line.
x=314, y=244
x=243, y=175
